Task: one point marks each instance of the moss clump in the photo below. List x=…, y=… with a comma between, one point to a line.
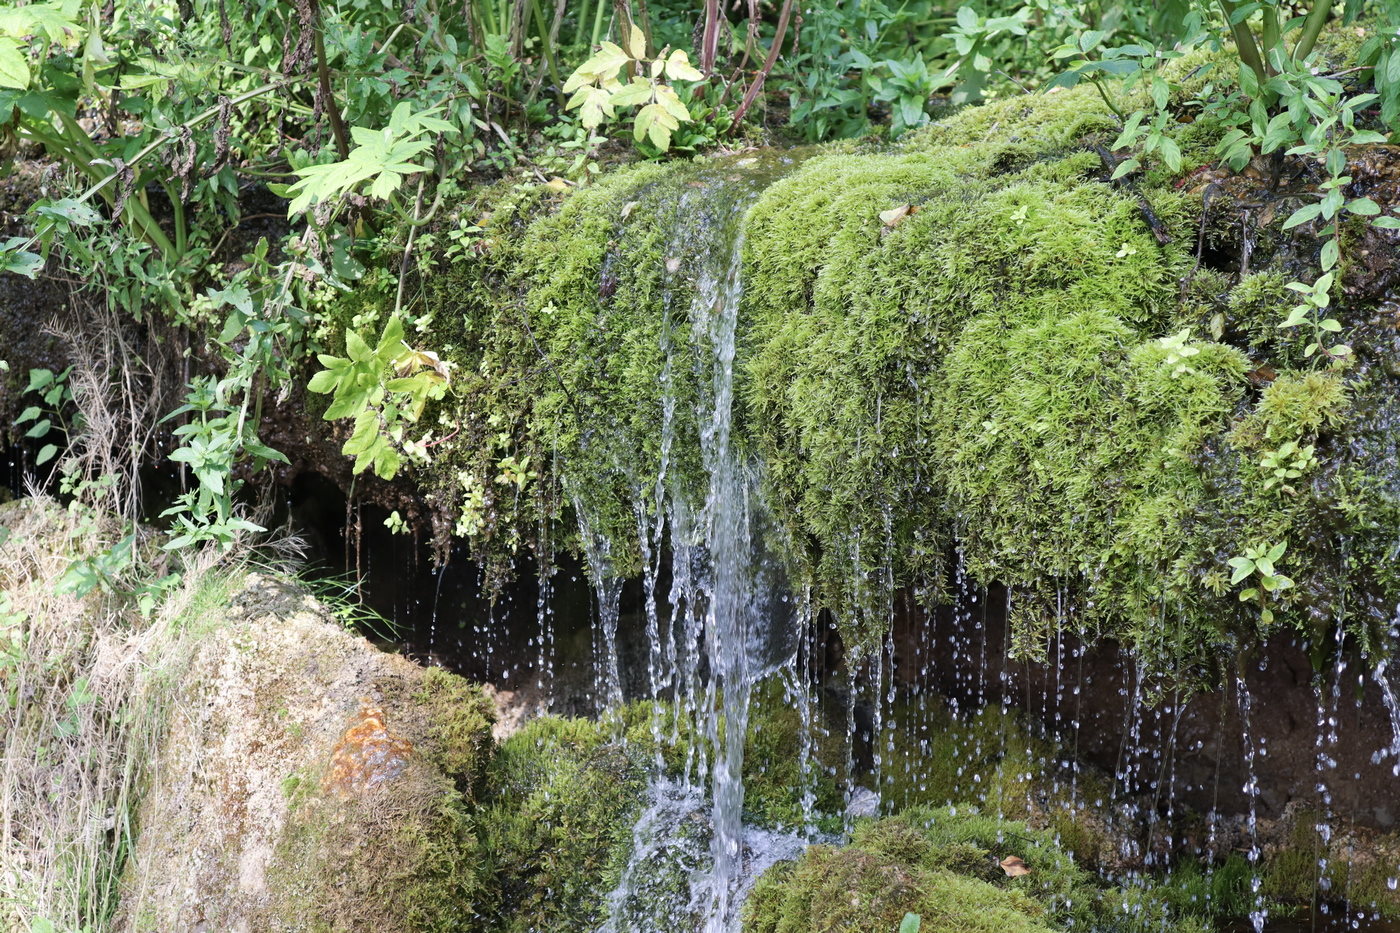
x=556, y=827
x=855, y=891
x=853, y=318
x=774, y=782
x=1060, y=375
x=1353, y=865
x=380, y=837
x=1075, y=451
x=945, y=865
x=403, y=859
x=458, y=731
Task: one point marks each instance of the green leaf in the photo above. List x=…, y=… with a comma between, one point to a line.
x=323, y=382
x=357, y=348
x=46, y=453
x=910, y=923
x=1387, y=223
x=1331, y=254
x=1160, y=93
x=1171, y=153
x=1302, y=215
x=14, y=65
x=21, y=262
x=1363, y=207
x=1243, y=568
x=39, y=429
x=673, y=105
x=391, y=341
x=386, y=462
x=639, y=91
x=29, y=414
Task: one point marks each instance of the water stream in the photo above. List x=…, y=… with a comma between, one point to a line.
x=730, y=620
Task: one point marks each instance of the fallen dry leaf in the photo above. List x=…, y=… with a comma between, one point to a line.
x=1014, y=867
x=672, y=264
x=895, y=215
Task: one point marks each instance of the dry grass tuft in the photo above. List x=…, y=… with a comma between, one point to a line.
x=84, y=687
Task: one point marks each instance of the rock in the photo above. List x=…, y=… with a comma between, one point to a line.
x=864, y=802
x=307, y=781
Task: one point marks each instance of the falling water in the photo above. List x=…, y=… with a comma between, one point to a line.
x=730, y=621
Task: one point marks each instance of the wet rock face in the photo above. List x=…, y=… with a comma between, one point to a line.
x=1321, y=737
x=367, y=756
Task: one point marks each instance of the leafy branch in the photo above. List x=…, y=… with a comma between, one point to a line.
x=383, y=388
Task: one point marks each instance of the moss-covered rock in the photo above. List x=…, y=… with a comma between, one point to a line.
x=310, y=783
x=975, y=342
x=958, y=871
x=556, y=826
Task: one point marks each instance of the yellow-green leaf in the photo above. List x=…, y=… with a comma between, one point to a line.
x=14, y=65
x=678, y=67
x=666, y=97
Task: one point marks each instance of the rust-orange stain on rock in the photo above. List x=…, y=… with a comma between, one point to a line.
x=367, y=755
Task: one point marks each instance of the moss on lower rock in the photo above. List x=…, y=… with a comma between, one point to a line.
x=556, y=827
x=310, y=782
x=382, y=835
x=959, y=872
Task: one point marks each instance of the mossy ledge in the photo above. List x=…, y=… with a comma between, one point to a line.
x=1034, y=374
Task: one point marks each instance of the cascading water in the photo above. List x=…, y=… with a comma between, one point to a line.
x=731, y=621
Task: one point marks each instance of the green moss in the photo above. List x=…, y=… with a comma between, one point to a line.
x=1294, y=407
x=937, y=758
x=397, y=856
x=1359, y=866
x=774, y=782
x=945, y=865
x=857, y=892
x=852, y=319
x=460, y=716
x=1063, y=379
x=557, y=825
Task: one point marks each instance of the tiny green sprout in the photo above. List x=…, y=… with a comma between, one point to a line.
x=1288, y=462
x=516, y=473
x=1179, y=351
x=1019, y=215
x=1260, y=561
x=395, y=523
x=1126, y=250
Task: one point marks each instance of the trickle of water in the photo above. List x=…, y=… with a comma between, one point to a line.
x=729, y=623
x=1258, y=914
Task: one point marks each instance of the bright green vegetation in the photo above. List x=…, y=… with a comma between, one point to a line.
x=970, y=342
x=557, y=824
x=949, y=867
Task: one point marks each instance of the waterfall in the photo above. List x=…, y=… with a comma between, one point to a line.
x=731, y=621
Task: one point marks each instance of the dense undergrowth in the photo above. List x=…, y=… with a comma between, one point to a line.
x=1126, y=347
